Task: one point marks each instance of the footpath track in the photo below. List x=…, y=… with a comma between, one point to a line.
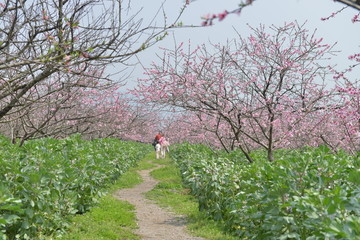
x=154, y=222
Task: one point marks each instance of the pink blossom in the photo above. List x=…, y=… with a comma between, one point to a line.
x=45, y=16
x=207, y=16
x=355, y=18
x=85, y=55
x=67, y=58
x=222, y=15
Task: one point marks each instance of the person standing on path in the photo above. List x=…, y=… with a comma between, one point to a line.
x=157, y=139
x=158, y=136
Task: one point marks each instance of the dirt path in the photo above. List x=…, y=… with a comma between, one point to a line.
x=153, y=221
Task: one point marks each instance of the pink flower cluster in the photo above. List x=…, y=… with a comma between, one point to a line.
x=208, y=19
x=355, y=57
x=45, y=16
x=356, y=18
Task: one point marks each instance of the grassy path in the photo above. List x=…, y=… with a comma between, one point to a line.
x=154, y=222
x=115, y=218
x=170, y=193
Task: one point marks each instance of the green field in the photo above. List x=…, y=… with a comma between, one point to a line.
x=309, y=193
x=46, y=182
x=61, y=189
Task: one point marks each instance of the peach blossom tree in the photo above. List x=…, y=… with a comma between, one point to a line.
x=262, y=87
x=52, y=46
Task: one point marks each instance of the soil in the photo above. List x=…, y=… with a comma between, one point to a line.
x=154, y=222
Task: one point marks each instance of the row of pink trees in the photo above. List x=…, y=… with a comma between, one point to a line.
x=53, y=61
x=190, y=127
x=56, y=109
x=266, y=91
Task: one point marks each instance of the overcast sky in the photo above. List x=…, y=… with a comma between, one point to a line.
x=339, y=29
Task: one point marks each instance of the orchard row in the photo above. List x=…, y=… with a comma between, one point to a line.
x=308, y=193
x=45, y=182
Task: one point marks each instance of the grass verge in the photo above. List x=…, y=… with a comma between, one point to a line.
x=111, y=219
x=171, y=194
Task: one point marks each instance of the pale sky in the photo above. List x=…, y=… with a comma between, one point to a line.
x=339, y=29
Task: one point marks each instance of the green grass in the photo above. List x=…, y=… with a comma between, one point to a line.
x=171, y=194
x=109, y=220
